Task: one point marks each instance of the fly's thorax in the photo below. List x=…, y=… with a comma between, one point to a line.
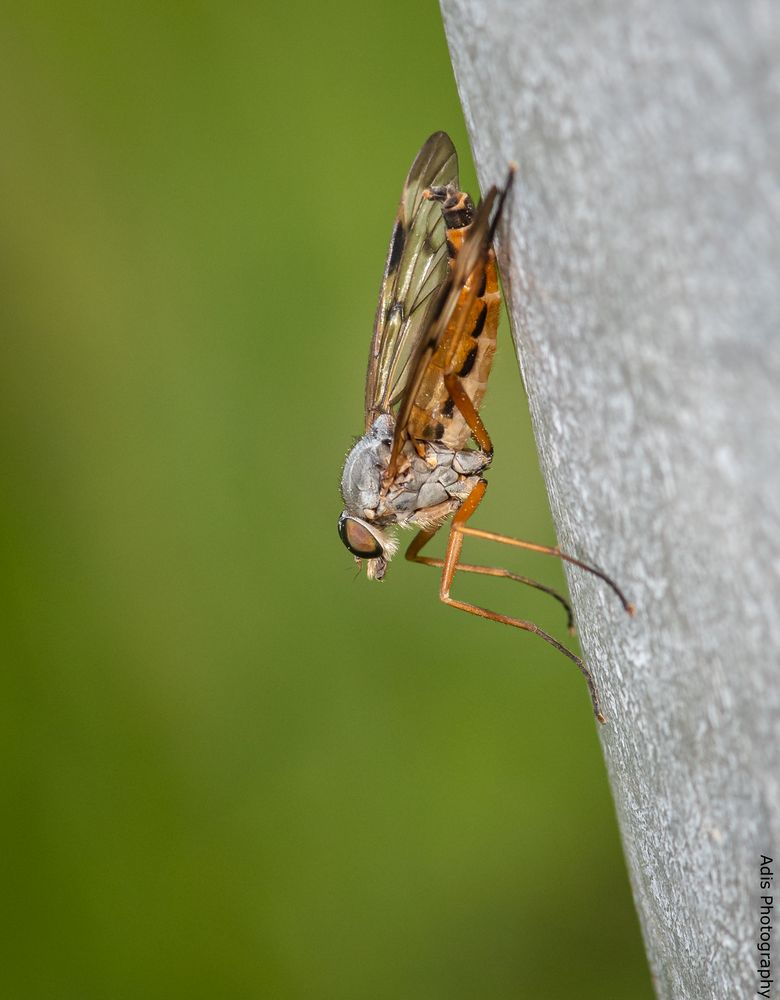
x=361, y=487
x=438, y=476
x=361, y=480
x=426, y=489
x=439, y=480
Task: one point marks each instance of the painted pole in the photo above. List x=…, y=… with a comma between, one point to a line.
x=641, y=257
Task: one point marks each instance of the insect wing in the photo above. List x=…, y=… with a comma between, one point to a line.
x=472, y=255
x=415, y=272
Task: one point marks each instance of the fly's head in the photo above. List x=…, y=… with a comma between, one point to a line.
x=367, y=541
x=361, y=486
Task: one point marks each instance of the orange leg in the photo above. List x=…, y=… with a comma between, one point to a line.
x=491, y=536
x=481, y=436
x=458, y=529
x=467, y=408
x=423, y=537
x=454, y=546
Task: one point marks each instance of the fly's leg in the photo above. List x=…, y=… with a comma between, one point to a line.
x=459, y=529
x=461, y=399
x=454, y=546
x=480, y=433
x=491, y=536
x=423, y=537
x=481, y=436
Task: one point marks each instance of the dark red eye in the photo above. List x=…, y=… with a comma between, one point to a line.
x=359, y=538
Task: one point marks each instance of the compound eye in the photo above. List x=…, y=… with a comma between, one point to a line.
x=359, y=538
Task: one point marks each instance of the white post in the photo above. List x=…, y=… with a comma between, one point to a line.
x=641, y=257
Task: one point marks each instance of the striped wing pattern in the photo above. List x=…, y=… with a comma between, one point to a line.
x=415, y=273
x=451, y=314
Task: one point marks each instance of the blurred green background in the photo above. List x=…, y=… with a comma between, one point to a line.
x=229, y=767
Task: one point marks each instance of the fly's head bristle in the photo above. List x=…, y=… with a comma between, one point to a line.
x=375, y=568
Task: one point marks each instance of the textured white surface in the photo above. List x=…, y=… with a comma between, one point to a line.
x=642, y=261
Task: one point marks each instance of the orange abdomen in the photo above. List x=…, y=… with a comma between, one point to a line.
x=467, y=348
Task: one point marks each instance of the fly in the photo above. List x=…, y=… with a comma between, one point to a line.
x=430, y=359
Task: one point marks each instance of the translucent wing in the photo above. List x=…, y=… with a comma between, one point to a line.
x=448, y=307
x=415, y=271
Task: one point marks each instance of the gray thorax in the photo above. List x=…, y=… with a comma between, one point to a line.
x=420, y=484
